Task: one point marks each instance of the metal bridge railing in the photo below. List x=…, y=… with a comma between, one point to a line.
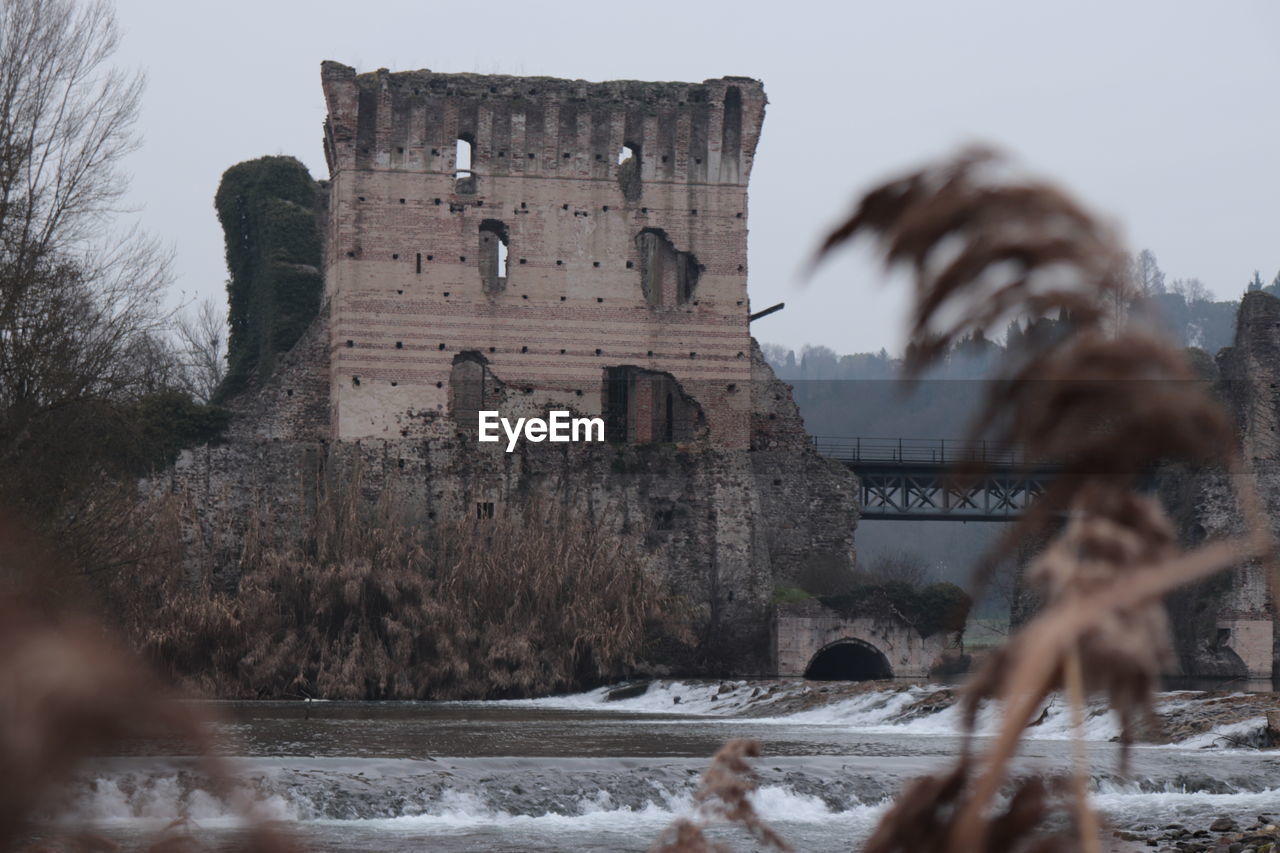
x=928, y=451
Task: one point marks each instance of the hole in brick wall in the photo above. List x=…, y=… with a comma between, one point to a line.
x=523, y=205
x=351, y=254
x=650, y=353
x=629, y=170
x=361, y=198
x=566, y=155
x=442, y=346
x=436, y=201
x=462, y=258
x=355, y=380
x=524, y=349
x=564, y=207
x=693, y=355
x=439, y=384
x=446, y=293
x=644, y=210
x=523, y=261
x=693, y=212
x=530, y=155
x=395, y=256
x=697, y=160
x=599, y=157
x=350, y=343
x=533, y=91
x=418, y=263
x=431, y=257
x=562, y=352
x=562, y=298
x=400, y=292
x=732, y=387
x=493, y=349
x=524, y=296
x=578, y=393
x=288, y=392
x=559, y=263
x=435, y=152
x=664, y=158
x=742, y=355
x=606, y=208
x=630, y=265
x=493, y=88
x=493, y=256
x=599, y=299
x=738, y=214
x=599, y=352
x=484, y=510
x=399, y=463
x=595, y=263
x=399, y=344
x=462, y=155
x=394, y=384
x=739, y=270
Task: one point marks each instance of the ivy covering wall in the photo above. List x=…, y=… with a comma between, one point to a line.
x=270, y=214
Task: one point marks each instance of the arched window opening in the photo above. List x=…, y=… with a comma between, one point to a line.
x=848, y=660
x=462, y=156
x=629, y=171
x=464, y=177
x=494, y=248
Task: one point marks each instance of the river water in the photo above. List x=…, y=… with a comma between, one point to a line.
x=583, y=774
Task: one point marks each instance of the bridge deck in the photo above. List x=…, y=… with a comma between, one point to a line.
x=906, y=479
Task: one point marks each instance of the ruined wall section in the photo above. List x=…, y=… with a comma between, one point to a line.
x=405, y=277
x=1226, y=625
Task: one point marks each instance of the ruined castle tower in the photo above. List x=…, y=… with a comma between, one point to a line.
x=585, y=242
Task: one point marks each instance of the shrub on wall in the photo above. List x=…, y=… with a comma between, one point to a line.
x=268, y=208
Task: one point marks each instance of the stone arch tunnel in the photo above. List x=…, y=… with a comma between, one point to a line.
x=812, y=641
x=848, y=659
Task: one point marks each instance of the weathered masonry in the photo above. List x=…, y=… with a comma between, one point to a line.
x=523, y=245
x=586, y=242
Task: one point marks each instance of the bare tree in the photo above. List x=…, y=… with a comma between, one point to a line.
x=76, y=295
x=202, y=345
x=81, y=319
x=1148, y=277
x=1191, y=290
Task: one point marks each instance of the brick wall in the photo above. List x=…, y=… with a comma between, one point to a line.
x=405, y=272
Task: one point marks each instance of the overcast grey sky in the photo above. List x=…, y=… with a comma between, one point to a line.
x=1162, y=114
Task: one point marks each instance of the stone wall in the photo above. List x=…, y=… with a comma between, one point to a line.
x=724, y=526
x=806, y=629
x=1225, y=627
x=409, y=271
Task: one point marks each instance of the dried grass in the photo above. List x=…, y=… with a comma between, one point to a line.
x=723, y=797
x=370, y=605
x=70, y=692
x=1102, y=404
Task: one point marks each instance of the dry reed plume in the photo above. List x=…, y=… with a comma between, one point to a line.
x=1101, y=403
x=368, y=604
x=723, y=797
x=68, y=693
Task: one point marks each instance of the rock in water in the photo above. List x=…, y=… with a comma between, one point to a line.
x=627, y=691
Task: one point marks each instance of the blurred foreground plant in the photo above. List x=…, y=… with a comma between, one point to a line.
x=1103, y=404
